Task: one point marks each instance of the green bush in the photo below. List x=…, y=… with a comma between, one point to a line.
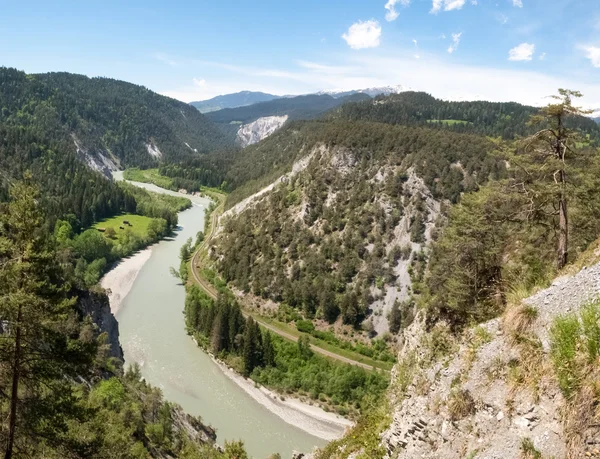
x=305, y=326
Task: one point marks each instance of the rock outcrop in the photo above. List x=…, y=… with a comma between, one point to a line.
x=251, y=133
x=491, y=396
x=97, y=307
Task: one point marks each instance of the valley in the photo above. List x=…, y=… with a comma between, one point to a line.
x=355, y=274
x=152, y=334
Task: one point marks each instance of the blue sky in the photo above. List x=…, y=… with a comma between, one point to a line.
x=459, y=49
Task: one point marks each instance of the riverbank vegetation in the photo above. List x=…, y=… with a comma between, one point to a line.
x=91, y=252
x=284, y=366
x=61, y=392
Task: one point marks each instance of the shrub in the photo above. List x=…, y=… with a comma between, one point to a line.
x=305, y=326
x=460, y=404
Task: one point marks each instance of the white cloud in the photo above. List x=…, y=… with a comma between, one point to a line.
x=593, y=54
x=362, y=35
x=415, y=42
x=455, y=42
x=448, y=5
x=392, y=14
x=542, y=56
x=523, y=52
x=199, y=83
x=442, y=78
x=518, y=3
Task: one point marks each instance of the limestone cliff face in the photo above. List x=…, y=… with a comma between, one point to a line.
x=251, y=133
x=96, y=305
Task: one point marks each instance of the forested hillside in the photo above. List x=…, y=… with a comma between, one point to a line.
x=63, y=127
x=334, y=237
x=494, y=119
x=300, y=107
x=430, y=151
x=239, y=99
x=107, y=122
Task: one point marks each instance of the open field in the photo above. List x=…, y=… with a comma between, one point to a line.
x=449, y=122
x=148, y=176
x=139, y=225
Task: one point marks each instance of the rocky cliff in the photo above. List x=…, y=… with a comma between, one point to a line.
x=499, y=391
x=97, y=307
x=251, y=133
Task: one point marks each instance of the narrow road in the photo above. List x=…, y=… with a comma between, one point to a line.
x=212, y=292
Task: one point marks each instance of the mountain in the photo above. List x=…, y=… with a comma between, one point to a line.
x=597, y=120
x=238, y=99
x=372, y=92
x=505, y=119
x=246, y=122
x=363, y=196
x=64, y=129
x=299, y=107
x=379, y=219
x=108, y=123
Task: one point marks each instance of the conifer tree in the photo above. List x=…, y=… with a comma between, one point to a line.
x=39, y=346
x=553, y=146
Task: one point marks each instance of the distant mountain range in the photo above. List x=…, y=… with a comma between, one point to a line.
x=246, y=98
x=251, y=123
x=371, y=92
x=238, y=99
x=597, y=120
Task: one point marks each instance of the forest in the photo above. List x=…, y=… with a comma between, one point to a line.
x=288, y=368
x=109, y=117
x=494, y=119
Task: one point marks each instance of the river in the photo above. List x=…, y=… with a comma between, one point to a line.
x=152, y=333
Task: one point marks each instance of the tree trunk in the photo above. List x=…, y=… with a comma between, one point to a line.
x=563, y=234
x=12, y=423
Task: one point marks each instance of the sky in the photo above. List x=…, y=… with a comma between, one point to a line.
x=498, y=50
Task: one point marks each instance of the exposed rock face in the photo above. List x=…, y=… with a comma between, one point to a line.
x=101, y=161
x=501, y=414
x=400, y=291
x=153, y=150
x=97, y=306
x=260, y=129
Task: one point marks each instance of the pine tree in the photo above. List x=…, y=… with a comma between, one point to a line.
x=39, y=349
x=554, y=145
x=268, y=350
x=252, y=351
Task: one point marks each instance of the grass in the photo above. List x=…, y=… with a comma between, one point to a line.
x=565, y=334
x=572, y=343
x=528, y=449
x=449, y=122
x=363, y=441
x=460, y=404
x=139, y=225
x=148, y=176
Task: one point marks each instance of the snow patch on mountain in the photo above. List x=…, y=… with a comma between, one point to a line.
x=260, y=129
x=372, y=92
x=153, y=150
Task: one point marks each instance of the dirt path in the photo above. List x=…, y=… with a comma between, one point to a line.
x=212, y=292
